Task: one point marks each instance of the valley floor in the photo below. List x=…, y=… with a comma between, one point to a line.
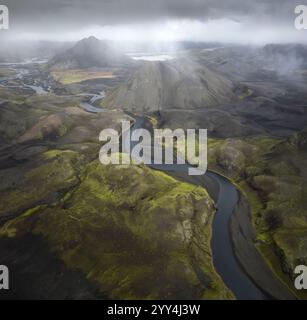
x=73, y=228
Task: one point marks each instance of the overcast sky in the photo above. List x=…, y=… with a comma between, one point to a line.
x=246, y=21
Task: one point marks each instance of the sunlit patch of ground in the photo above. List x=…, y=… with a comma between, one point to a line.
x=6, y=72
x=75, y=76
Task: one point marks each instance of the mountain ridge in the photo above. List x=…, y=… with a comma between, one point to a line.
x=177, y=84
x=88, y=53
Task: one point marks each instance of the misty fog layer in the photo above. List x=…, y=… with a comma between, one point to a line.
x=230, y=21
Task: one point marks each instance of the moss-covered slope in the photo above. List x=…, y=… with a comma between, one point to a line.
x=272, y=174
x=130, y=231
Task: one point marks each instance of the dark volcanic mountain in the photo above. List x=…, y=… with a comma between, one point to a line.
x=88, y=53
x=178, y=84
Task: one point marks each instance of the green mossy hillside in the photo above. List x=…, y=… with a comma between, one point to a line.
x=43, y=181
x=134, y=232
x=272, y=174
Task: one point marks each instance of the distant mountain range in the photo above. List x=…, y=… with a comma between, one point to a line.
x=88, y=53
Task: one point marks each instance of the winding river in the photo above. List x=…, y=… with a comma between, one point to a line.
x=21, y=72
x=224, y=258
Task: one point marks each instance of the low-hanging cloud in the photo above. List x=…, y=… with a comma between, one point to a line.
x=245, y=21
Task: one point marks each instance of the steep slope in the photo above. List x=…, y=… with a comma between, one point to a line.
x=72, y=228
x=272, y=174
x=130, y=232
x=87, y=53
x=176, y=84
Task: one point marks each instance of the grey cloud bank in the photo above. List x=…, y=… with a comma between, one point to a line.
x=242, y=21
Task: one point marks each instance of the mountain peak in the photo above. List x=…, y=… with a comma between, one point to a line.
x=87, y=53
x=90, y=39
x=89, y=43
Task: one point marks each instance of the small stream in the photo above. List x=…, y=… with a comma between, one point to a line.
x=21, y=73
x=89, y=106
x=22, y=76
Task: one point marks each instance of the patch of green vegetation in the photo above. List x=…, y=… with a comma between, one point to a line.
x=6, y=72
x=16, y=118
x=50, y=175
x=109, y=97
x=135, y=232
x=270, y=172
x=75, y=76
x=9, y=229
x=243, y=92
x=268, y=252
x=247, y=93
